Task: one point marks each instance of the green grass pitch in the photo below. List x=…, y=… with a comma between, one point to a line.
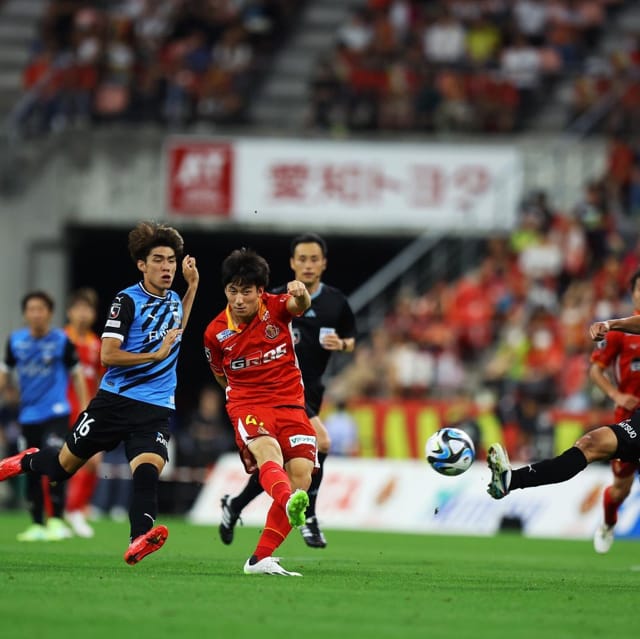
x=363, y=585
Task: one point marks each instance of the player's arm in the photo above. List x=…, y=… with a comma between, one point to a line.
x=80, y=385
x=631, y=324
x=300, y=299
x=192, y=277
x=599, y=377
x=72, y=362
x=4, y=378
x=112, y=353
x=222, y=380
x=6, y=366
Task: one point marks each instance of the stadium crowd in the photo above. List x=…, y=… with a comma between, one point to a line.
x=452, y=65
x=149, y=60
x=514, y=329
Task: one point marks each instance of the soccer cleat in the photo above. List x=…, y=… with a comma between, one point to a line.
x=268, y=566
x=79, y=524
x=500, y=472
x=35, y=532
x=10, y=466
x=312, y=534
x=229, y=520
x=145, y=544
x=57, y=530
x=296, y=507
x=603, y=538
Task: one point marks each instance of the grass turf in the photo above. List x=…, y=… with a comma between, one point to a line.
x=362, y=585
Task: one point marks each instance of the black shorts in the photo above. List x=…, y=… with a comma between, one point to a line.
x=48, y=433
x=110, y=419
x=627, y=433
x=313, y=394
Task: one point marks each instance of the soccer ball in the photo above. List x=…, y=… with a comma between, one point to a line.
x=450, y=451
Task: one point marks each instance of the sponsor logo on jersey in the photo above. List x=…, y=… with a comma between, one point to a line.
x=114, y=311
x=223, y=335
x=256, y=359
x=113, y=323
x=297, y=440
x=271, y=331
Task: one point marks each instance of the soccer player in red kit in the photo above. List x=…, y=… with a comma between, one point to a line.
x=249, y=347
x=81, y=312
x=620, y=352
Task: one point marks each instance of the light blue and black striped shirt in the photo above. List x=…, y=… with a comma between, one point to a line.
x=141, y=320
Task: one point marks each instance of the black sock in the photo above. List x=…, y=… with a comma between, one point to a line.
x=316, y=479
x=45, y=462
x=144, y=500
x=550, y=471
x=57, y=494
x=248, y=494
x=35, y=497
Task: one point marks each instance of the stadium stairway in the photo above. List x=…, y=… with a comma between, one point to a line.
x=282, y=102
x=19, y=20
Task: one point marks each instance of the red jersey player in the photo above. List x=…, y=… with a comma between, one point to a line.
x=621, y=352
x=249, y=346
x=81, y=313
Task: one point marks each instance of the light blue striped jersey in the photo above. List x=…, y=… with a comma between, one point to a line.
x=140, y=320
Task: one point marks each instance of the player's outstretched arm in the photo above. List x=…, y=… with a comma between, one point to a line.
x=300, y=299
x=192, y=277
x=631, y=324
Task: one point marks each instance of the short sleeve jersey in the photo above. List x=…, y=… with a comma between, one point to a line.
x=42, y=365
x=140, y=320
x=622, y=352
x=329, y=309
x=88, y=348
x=258, y=359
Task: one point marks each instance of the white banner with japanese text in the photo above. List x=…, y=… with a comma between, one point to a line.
x=346, y=184
x=408, y=496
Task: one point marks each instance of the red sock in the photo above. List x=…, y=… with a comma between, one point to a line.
x=275, y=481
x=276, y=529
x=80, y=489
x=610, y=507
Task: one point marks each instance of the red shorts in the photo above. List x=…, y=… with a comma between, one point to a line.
x=623, y=469
x=290, y=427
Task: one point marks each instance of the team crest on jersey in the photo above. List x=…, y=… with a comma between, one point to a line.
x=272, y=331
x=114, y=311
x=226, y=334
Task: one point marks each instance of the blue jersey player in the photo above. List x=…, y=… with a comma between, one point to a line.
x=140, y=345
x=43, y=359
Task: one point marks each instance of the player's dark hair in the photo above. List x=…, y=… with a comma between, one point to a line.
x=38, y=295
x=86, y=295
x=244, y=267
x=633, y=280
x=147, y=235
x=309, y=238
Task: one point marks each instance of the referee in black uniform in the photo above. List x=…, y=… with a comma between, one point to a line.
x=329, y=325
